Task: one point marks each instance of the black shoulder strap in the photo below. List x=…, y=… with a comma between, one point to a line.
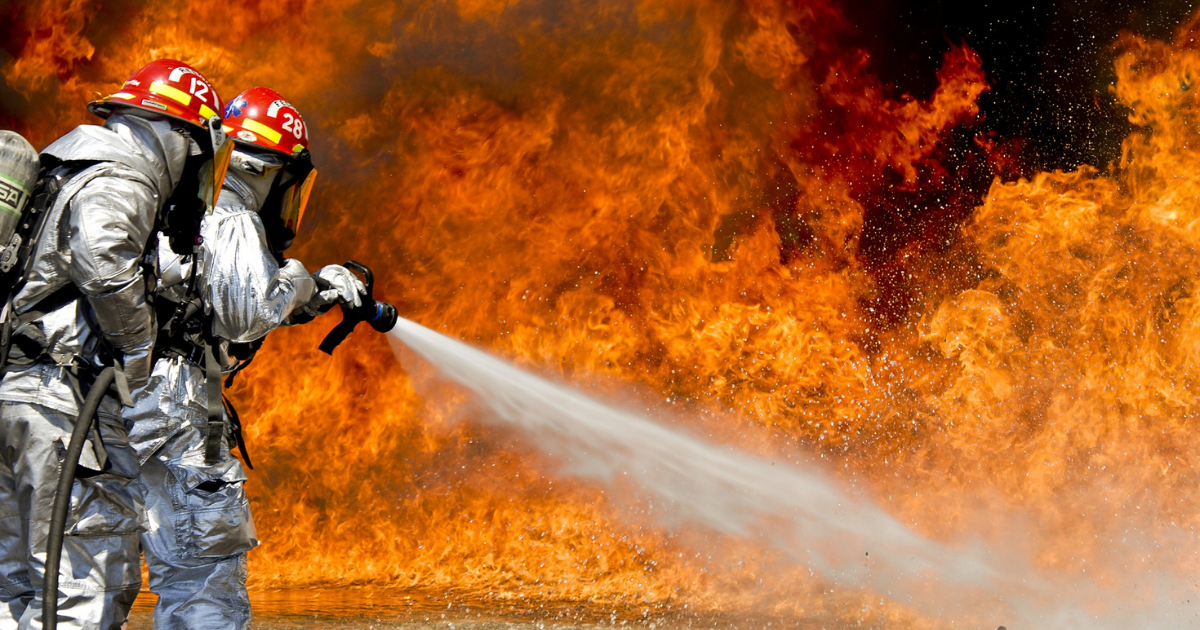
x=55, y=175
x=14, y=269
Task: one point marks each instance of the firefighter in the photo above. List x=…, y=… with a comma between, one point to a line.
x=212, y=317
x=80, y=304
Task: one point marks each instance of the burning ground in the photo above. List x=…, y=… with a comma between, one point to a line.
x=721, y=212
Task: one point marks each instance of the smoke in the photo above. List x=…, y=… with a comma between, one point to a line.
x=803, y=514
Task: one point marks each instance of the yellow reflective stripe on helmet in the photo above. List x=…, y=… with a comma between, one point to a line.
x=124, y=95
x=174, y=93
x=262, y=130
x=207, y=112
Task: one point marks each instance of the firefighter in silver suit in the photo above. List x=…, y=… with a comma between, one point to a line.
x=82, y=304
x=200, y=526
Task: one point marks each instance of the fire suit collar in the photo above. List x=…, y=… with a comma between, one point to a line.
x=155, y=140
x=148, y=146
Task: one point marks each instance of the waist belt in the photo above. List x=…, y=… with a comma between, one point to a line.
x=85, y=376
x=21, y=333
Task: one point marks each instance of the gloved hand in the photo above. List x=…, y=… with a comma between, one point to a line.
x=344, y=286
x=341, y=287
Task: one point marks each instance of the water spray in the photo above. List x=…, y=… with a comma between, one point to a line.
x=811, y=519
x=728, y=492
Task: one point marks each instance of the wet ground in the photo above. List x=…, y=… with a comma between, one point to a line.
x=352, y=609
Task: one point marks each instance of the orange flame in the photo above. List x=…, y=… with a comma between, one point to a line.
x=716, y=204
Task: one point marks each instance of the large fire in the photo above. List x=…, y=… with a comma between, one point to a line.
x=716, y=205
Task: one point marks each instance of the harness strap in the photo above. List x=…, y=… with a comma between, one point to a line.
x=186, y=350
x=6, y=329
x=235, y=425
x=57, y=299
x=179, y=337
x=216, y=411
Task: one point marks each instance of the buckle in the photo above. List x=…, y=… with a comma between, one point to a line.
x=197, y=354
x=65, y=360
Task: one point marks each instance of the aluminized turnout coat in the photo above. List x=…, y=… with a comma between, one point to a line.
x=200, y=526
x=94, y=240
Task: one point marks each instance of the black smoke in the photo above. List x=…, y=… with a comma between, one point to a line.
x=1049, y=63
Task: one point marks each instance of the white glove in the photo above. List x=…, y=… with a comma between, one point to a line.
x=345, y=287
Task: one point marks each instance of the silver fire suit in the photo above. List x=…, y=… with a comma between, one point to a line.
x=200, y=526
x=85, y=297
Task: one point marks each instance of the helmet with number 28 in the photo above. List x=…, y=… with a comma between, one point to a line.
x=173, y=89
x=259, y=119
x=260, y=116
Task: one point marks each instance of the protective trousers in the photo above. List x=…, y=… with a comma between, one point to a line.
x=199, y=524
x=100, y=571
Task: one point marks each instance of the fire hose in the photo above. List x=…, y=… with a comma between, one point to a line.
x=62, y=496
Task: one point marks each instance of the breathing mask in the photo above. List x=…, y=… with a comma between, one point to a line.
x=284, y=208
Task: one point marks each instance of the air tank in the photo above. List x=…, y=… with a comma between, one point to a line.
x=19, y=167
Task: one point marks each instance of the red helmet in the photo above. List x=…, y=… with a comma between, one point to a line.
x=259, y=116
x=167, y=87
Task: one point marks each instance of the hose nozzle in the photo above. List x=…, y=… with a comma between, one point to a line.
x=380, y=315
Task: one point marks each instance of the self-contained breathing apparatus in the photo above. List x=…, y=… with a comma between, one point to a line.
x=31, y=184
x=19, y=169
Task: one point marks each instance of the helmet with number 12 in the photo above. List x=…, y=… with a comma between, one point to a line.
x=259, y=119
x=170, y=88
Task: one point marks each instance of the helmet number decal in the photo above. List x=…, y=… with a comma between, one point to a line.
x=293, y=124
x=199, y=89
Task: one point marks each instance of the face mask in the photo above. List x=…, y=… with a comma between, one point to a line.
x=294, y=187
x=284, y=209
x=252, y=176
x=295, y=200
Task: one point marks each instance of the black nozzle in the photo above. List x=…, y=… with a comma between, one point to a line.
x=380, y=315
x=385, y=317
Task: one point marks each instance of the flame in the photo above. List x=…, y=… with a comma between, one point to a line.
x=717, y=205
